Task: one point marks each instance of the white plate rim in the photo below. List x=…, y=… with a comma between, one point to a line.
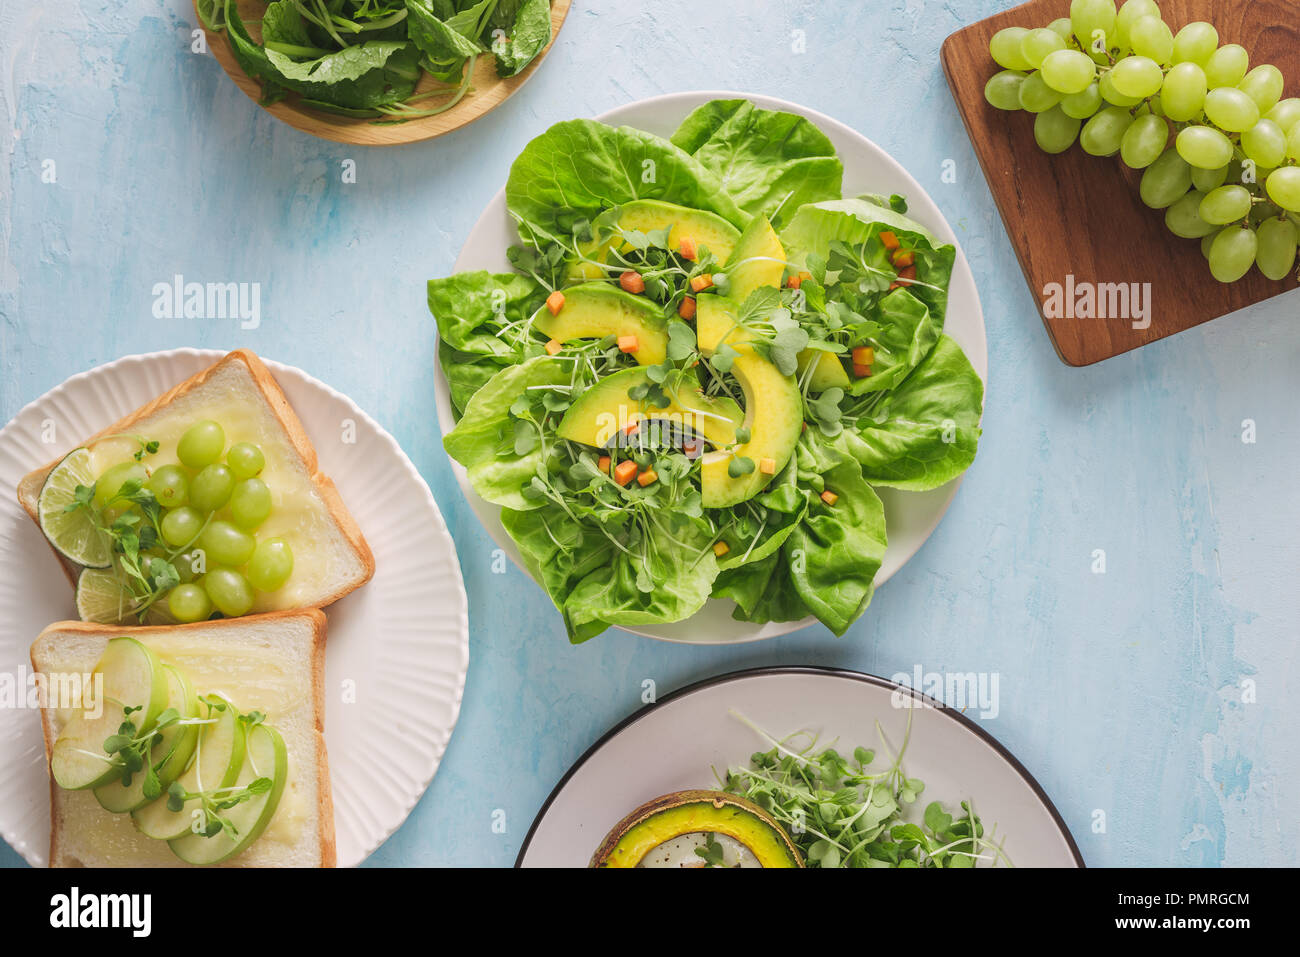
x=440, y=529
x=705, y=684
x=977, y=352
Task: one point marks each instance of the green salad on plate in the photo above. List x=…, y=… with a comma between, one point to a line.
x=706, y=362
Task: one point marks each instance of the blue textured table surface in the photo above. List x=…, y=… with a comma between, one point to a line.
x=1160, y=693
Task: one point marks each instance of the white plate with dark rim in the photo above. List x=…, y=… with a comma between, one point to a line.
x=910, y=517
x=408, y=665
x=674, y=745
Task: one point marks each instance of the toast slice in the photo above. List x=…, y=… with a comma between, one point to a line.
x=331, y=557
x=271, y=663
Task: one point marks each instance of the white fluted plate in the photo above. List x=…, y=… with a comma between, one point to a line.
x=402, y=639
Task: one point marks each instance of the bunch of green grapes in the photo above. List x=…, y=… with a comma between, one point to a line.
x=1218, y=144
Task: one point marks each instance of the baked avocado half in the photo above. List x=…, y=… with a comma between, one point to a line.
x=665, y=832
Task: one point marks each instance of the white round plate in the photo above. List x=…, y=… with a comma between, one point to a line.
x=675, y=745
x=403, y=638
x=910, y=517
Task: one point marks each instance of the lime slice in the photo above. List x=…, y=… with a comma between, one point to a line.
x=103, y=597
x=74, y=534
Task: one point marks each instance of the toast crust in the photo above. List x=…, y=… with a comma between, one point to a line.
x=29, y=488
x=325, y=801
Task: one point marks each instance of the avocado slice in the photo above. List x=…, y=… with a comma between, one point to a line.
x=667, y=818
x=647, y=215
x=758, y=260
x=595, y=310
x=773, y=409
x=829, y=373
x=605, y=409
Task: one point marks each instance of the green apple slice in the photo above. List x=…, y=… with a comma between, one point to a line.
x=218, y=758
x=78, y=759
x=266, y=758
x=132, y=676
x=170, y=755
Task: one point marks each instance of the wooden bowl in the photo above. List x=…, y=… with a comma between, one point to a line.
x=487, y=92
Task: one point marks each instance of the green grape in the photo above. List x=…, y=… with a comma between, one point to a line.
x=1103, y=134
x=1184, y=218
x=1227, y=66
x=225, y=544
x=1233, y=253
x=1286, y=114
x=246, y=459
x=1264, y=85
x=1265, y=143
x=250, y=502
x=1144, y=141
x=202, y=444
x=189, y=603
x=1230, y=109
x=1068, y=71
x=1225, y=205
x=184, y=564
x=181, y=525
x=1002, y=90
x=1183, y=95
x=1208, y=243
x=1207, y=180
x=1166, y=181
x=1036, y=96
x=1284, y=188
x=1129, y=14
x=211, y=488
x=1204, y=147
x=1005, y=48
x=271, y=565
x=1277, y=247
x=1082, y=106
x=1138, y=77
x=1062, y=28
x=1094, y=23
x=229, y=591
x=1054, y=131
x=1151, y=37
x=1293, y=143
x=170, y=486
x=110, y=483
x=1037, y=44
x=1196, y=43
x=1111, y=95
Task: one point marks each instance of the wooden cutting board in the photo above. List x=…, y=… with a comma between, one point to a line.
x=1080, y=216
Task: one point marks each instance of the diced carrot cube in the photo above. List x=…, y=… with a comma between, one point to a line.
x=767, y=466
x=686, y=248
x=793, y=282
x=889, y=239
x=701, y=282
x=687, y=309
x=904, y=257
x=860, y=370
x=805, y=276
x=553, y=346
x=602, y=463
x=895, y=285
x=624, y=471
x=632, y=282
x=721, y=548
x=906, y=275
x=829, y=497
x=648, y=477
x=628, y=344
x=632, y=428
x=691, y=449
x=555, y=302
x=864, y=355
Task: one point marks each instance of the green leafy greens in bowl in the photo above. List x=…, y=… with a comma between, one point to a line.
x=706, y=363
x=366, y=58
